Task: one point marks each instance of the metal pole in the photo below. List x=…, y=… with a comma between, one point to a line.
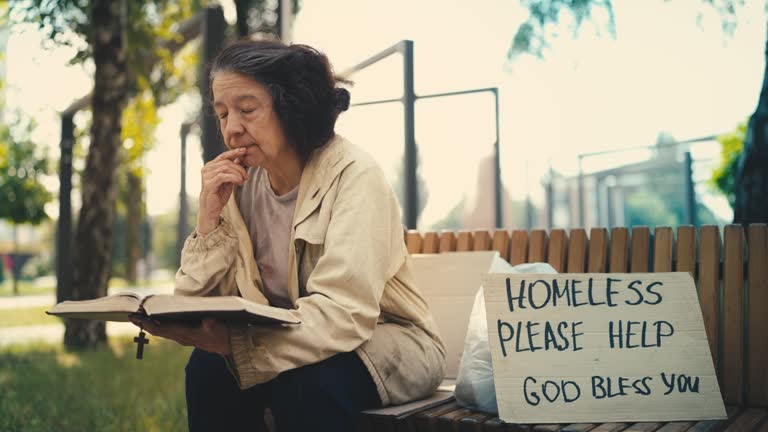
x=550, y=196
x=285, y=20
x=497, y=161
x=181, y=233
x=64, y=229
x=581, y=193
x=213, y=39
x=690, y=192
x=411, y=158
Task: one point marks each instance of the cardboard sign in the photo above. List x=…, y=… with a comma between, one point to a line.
x=589, y=348
x=449, y=282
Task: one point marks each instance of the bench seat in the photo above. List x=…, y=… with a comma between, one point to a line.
x=730, y=267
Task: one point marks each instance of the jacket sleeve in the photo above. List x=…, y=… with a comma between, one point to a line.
x=341, y=308
x=208, y=263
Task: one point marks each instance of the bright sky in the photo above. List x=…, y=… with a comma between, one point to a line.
x=663, y=72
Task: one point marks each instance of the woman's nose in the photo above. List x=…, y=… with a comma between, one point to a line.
x=233, y=126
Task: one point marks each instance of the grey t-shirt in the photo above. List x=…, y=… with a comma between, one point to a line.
x=268, y=218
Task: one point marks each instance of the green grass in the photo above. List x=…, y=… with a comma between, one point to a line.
x=25, y=288
x=27, y=317
x=44, y=388
x=28, y=288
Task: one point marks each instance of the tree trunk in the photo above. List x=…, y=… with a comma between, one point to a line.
x=133, y=226
x=241, y=9
x=93, y=238
x=751, y=188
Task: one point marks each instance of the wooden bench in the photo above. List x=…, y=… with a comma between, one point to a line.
x=729, y=269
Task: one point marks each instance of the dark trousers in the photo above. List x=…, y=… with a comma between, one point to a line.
x=325, y=396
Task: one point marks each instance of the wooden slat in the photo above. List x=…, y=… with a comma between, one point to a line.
x=610, y=427
x=618, y=262
x=644, y=427
x=431, y=242
x=717, y=425
x=638, y=257
x=482, y=241
x=709, y=282
x=426, y=420
x=748, y=420
x=464, y=241
x=733, y=314
x=579, y=427
x=558, y=242
x=757, y=358
x=515, y=427
x=501, y=243
x=577, y=251
x=497, y=425
x=547, y=427
x=449, y=422
x=677, y=426
x=413, y=241
x=686, y=250
x=537, y=251
x=598, y=250
x=662, y=249
x=474, y=423
x=447, y=241
x=518, y=247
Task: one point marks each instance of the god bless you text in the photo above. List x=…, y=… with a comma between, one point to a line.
x=532, y=336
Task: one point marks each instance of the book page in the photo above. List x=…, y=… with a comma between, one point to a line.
x=225, y=308
x=116, y=307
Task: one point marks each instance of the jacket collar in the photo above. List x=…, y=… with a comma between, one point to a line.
x=325, y=164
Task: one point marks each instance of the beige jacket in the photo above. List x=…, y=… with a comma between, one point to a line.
x=351, y=281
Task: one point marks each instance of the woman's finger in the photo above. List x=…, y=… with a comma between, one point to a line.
x=231, y=154
x=226, y=166
x=222, y=178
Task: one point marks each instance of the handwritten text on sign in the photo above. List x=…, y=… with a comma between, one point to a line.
x=599, y=348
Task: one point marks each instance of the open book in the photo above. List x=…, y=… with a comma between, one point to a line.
x=118, y=307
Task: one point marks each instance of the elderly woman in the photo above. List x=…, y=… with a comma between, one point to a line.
x=295, y=216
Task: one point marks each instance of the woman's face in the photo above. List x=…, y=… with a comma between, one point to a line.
x=246, y=119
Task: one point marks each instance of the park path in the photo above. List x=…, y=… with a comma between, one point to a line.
x=54, y=333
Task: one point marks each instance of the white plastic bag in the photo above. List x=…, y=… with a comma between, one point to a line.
x=474, y=385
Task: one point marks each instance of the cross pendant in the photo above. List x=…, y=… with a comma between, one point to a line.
x=140, y=340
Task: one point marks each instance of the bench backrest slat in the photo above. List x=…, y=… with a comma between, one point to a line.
x=518, y=247
x=733, y=313
x=447, y=241
x=638, y=260
x=598, y=250
x=501, y=243
x=464, y=241
x=619, y=257
x=709, y=289
x=482, y=241
x=757, y=385
x=662, y=249
x=577, y=251
x=686, y=250
x=738, y=337
x=558, y=241
x=537, y=248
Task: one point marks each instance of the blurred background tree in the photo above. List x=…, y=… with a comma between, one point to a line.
x=731, y=146
x=748, y=181
x=22, y=195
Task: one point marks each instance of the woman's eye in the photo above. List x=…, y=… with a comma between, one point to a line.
x=246, y=111
x=222, y=116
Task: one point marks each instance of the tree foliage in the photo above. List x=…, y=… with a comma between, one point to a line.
x=731, y=145
x=22, y=165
